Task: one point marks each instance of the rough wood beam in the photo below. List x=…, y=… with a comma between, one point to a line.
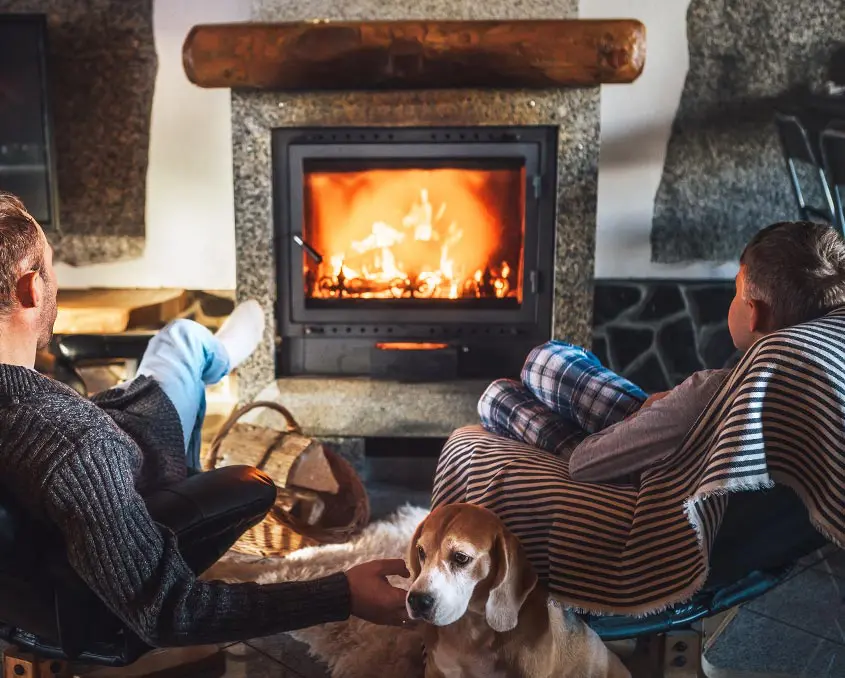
x=415, y=54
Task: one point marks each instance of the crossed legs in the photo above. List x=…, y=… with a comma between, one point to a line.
x=565, y=394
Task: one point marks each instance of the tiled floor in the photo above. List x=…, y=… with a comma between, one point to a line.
x=275, y=657
x=797, y=629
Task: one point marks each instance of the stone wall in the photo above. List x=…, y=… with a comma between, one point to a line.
x=657, y=333
x=101, y=68
x=724, y=176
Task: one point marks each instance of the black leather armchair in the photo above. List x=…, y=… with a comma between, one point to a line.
x=71, y=349
x=46, y=609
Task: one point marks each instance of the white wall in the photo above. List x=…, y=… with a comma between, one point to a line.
x=190, y=204
x=190, y=195
x=636, y=121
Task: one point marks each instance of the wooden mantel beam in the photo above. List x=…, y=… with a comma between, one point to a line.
x=312, y=56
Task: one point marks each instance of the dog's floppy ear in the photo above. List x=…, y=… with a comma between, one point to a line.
x=413, y=555
x=514, y=579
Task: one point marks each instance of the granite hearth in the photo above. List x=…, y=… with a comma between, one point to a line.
x=362, y=407
x=576, y=114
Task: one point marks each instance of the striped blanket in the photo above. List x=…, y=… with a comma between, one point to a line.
x=778, y=419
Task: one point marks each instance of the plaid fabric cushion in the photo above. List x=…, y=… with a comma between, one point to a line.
x=565, y=395
x=509, y=409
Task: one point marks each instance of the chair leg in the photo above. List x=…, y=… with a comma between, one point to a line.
x=668, y=655
x=682, y=654
x=206, y=661
x=839, y=210
x=679, y=654
x=17, y=664
x=828, y=196
x=796, y=187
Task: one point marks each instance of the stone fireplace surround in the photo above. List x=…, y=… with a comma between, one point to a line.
x=360, y=407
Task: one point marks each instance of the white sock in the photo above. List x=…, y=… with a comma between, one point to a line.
x=242, y=331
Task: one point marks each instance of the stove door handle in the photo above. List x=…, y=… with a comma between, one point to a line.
x=314, y=254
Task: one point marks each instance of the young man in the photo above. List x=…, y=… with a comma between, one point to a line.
x=570, y=405
x=78, y=465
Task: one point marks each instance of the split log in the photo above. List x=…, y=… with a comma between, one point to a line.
x=291, y=459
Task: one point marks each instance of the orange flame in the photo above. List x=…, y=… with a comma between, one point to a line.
x=407, y=233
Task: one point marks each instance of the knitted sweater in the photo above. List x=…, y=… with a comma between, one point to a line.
x=79, y=465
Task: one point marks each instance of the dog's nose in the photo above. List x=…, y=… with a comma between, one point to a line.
x=420, y=603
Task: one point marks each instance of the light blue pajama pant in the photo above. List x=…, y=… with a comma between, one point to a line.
x=184, y=357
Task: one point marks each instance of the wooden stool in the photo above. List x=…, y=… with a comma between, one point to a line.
x=18, y=664
x=204, y=661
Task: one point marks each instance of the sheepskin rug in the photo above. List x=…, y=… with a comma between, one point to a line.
x=354, y=648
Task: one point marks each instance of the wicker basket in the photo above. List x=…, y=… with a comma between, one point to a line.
x=280, y=533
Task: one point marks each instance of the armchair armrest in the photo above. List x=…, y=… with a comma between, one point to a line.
x=76, y=347
x=70, y=349
x=46, y=608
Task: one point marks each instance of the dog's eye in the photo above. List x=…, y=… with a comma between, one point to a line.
x=461, y=558
x=420, y=553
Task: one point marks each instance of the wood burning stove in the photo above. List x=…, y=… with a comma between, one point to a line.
x=413, y=253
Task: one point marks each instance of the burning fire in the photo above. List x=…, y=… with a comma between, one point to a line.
x=383, y=236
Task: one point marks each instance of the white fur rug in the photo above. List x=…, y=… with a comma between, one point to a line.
x=354, y=648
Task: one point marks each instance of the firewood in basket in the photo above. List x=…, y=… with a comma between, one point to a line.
x=289, y=458
x=311, y=469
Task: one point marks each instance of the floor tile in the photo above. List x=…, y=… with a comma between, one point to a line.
x=243, y=661
x=834, y=563
x=758, y=644
x=829, y=662
x=818, y=558
x=811, y=601
x=292, y=653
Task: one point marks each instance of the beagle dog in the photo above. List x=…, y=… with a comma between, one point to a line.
x=486, y=615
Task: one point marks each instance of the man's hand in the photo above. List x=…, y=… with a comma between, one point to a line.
x=373, y=598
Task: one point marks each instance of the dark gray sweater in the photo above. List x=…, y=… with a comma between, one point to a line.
x=80, y=465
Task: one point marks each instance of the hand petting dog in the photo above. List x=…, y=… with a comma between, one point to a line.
x=373, y=598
